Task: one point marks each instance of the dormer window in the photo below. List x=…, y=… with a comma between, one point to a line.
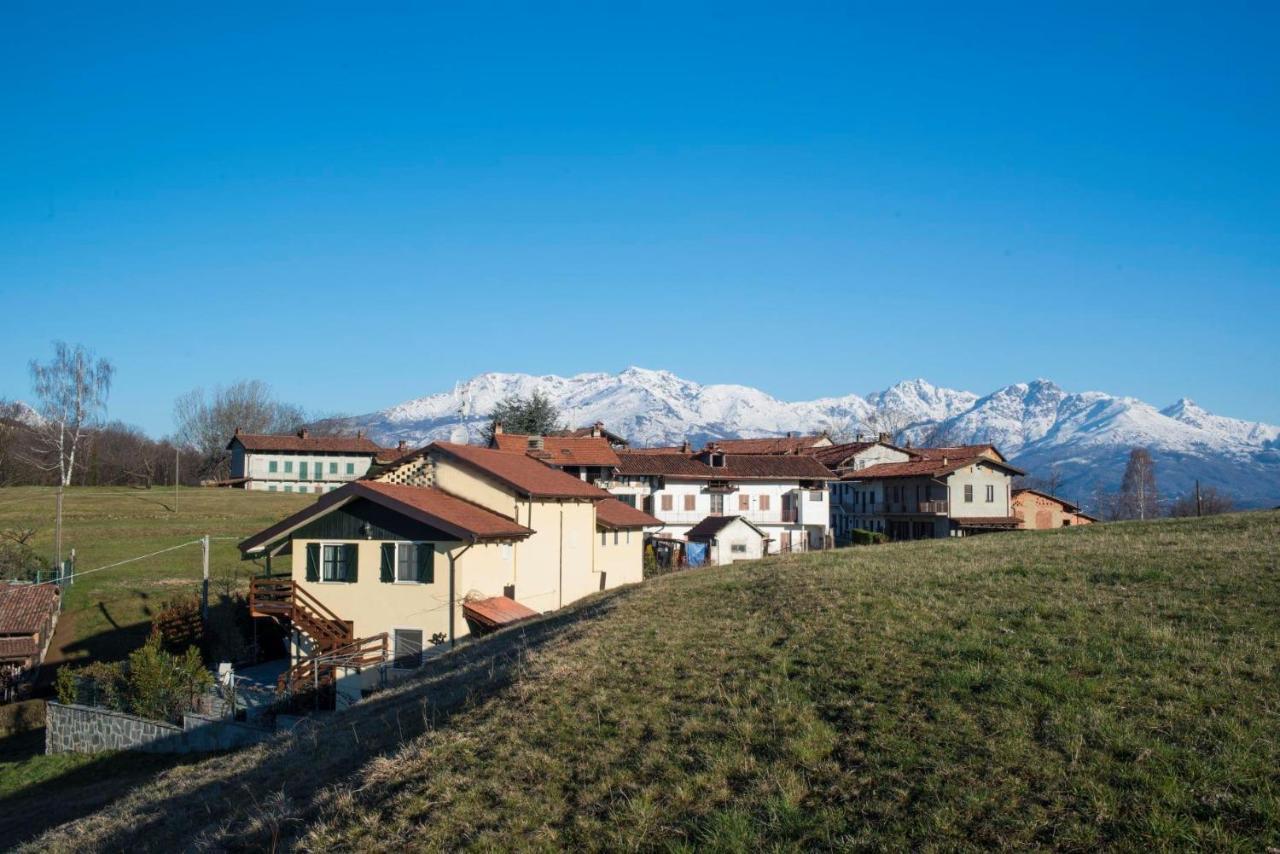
x=717, y=460
x=535, y=443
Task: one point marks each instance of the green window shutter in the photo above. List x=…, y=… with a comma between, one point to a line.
x=388, y=574
x=271, y=466
x=313, y=561
x=426, y=563
x=351, y=552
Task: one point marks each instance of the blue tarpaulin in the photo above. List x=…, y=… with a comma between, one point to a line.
x=695, y=554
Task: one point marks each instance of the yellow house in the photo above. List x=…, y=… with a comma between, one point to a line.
x=389, y=566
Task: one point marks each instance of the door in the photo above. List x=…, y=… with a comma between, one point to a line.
x=717, y=504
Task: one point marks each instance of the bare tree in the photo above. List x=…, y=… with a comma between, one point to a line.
x=206, y=422
x=72, y=390
x=888, y=421
x=1138, y=498
x=1206, y=501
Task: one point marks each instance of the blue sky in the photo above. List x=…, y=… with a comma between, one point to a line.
x=360, y=207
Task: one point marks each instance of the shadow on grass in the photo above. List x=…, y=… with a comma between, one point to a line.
x=235, y=801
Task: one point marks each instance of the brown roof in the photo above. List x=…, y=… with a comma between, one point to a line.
x=987, y=521
x=496, y=612
x=768, y=445
x=612, y=513
x=684, y=450
x=17, y=648
x=562, y=450
x=1066, y=505
x=612, y=437
x=736, y=467
x=712, y=525
x=522, y=473
x=938, y=467
x=26, y=608
x=778, y=467
x=988, y=450
x=301, y=442
x=424, y=504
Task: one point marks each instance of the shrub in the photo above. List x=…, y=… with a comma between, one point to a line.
x=860, y=537
x=153, y=684
x=178, y=624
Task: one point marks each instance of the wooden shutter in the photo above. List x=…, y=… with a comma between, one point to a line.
x=351, y=552
x=688, y=502
x=744, y=502
x=764, y=502
x=387, y=575
x=666, y=502
x=313, y=561
x=426, y=563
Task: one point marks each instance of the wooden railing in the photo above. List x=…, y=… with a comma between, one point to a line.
x=283, y=598
x=320, y=670
x=936, y=506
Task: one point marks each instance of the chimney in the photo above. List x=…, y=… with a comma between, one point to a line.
x=597, y=429
x=686, y=447
x=497, y=428
x=944, y=459
x=237, y=433
x=401, y=446
x=359, y=434
x=790, y=435
x=304, y=433
x=885, y=437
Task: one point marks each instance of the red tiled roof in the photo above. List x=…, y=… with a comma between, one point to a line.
x=778, y=467
x=768, y=445
x=496, y=612
x=924, y=468
x=987, y=521
x=675, y=464
x=26, y=608
x=956, y=451
x=562, y=450
x=424, y=504
x=17, y=648
x=522, y=473
x=736, y=467
x=671, y=449
x=612, y=513
x=315, y=444
x=589, y=431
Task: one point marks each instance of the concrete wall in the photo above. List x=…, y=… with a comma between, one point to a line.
x=84, y=729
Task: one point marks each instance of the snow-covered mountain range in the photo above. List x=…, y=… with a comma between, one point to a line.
x=1082, y=437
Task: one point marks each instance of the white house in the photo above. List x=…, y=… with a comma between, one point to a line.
x=786, y=496
x=729, y=539
x=939, y=492
x=300, y=462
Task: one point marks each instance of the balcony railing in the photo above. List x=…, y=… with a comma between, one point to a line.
x=938, y=506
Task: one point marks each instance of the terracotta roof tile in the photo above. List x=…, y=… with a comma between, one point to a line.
x=736, y=467
x=430, y=506
x=17, y=648
x=496, y=612
x=674, y=464
x=25, y=608
x=712, y=525
x=521, y=472
x=768, y=444
x=612, y=513
x=957, y=451
x=935, y=467
x=316, y=444
x=562, y=450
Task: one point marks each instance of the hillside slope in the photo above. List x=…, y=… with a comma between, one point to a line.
x=1103, y=686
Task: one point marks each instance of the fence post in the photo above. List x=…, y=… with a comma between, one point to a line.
x=204, y=592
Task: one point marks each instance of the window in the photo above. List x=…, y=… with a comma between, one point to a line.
x=604, y=541
x=335, y=562
x=333, y=468
x=272, y=466
x=744, y=502
x=738, y=548
x=815, y=495
x=288, y=488
x=408, y=562
x=288, y=466
x=615, y=538
x=991, y=494
x=968, y=493
x=302, y=470
x=667, y=502
x=764, y=502
x=688, y=503
x=351, y=469
x=408, y=649
x=717, y=504
x=629, y=500
x=271, y=488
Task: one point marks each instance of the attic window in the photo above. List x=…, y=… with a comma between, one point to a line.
x=717, y=460
x=535, y=443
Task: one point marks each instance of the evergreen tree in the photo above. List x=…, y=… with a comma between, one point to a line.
x=534, y=415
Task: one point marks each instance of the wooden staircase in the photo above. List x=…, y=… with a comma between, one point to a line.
x=336, y=647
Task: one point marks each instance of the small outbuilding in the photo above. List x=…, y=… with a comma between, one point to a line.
x=729, y=539
x=1038, y=510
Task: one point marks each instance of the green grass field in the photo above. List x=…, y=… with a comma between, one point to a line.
x=107, y=614
x=1112, y=686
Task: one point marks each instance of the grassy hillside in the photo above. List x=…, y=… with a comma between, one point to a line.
x=1105, y=686
x=107, y=613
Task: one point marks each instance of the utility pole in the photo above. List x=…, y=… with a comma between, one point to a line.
x=204, y=591
x=176, y=458
x=1199, y=505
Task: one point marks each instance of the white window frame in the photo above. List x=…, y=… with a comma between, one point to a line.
x=422, y=647
x=337, y=544
x=396, y=567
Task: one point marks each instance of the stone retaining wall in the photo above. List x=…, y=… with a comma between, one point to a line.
x=85, y=729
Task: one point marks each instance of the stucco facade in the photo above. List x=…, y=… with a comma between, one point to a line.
x=1037, y=510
